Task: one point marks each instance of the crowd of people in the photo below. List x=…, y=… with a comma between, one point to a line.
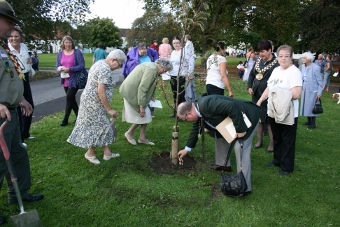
x=274, y=83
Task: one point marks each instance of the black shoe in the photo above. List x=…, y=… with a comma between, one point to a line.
x=63, y=123
x=270, y=151
x=240, y=195
x=306, y=124
x=28, y=198
x=283, y=172
x=271, y=164
x=312, y=126
x=2, y=220
x=217, y=167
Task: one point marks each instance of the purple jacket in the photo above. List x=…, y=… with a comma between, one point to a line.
x=79, y=64
x=133, y=59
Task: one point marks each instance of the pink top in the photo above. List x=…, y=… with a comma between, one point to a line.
x=67, y=61
x=164, y=50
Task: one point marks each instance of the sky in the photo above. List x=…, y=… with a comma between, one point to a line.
x=123, y=12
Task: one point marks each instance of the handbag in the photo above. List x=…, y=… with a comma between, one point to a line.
x=233, y=185
x=317, y=107
x=81, y=78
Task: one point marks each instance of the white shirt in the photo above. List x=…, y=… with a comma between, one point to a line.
x=188, y=63
x=214, y=75
x=286, y=79
x=22, y=56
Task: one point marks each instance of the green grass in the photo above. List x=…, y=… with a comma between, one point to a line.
x=48, y=61
x=127, y=192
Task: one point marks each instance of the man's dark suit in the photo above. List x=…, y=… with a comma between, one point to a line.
x=214, y=109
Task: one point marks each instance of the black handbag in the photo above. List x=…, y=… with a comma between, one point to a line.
x=317, y=107
x=233, y=184
x=81, y=78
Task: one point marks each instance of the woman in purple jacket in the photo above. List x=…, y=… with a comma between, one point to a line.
x=137, y=55
x=69, y=61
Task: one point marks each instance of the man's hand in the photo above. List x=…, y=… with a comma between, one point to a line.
x=241, y=134
x=250, y=91
x=26, y=107
x=182, y=153
x=4, y=112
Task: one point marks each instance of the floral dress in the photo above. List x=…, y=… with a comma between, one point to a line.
x=93, y=127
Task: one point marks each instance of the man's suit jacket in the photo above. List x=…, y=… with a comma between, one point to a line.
x=215, y=108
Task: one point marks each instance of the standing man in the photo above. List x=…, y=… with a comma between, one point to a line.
x=257, y=83
x=11, y=95
x=209, y=111
x=99, y=53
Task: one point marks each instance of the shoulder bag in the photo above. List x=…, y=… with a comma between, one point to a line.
x=233, y=185
x=317, y=107
x=81, y=78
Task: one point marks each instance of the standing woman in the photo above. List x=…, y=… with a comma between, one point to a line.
x=137, y=90
x=312, y=88
x=19, y=49
x=165, y=49
x=182, y=67
x=257, y=84
x=286, y=81
x=93, y=128
x=327, y=74
x=69, y=60
x=251, y=57
x=217, y=79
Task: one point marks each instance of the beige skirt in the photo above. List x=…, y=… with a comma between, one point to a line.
x=131, y=116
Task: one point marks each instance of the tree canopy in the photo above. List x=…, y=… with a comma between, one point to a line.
x=303, y=24
x=99, y=30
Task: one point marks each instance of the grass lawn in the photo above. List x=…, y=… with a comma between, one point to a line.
x=129, y=191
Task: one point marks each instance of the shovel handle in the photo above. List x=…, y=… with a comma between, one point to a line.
x=3, y=144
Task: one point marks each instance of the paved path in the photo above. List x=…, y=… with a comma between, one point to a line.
x=49, y=96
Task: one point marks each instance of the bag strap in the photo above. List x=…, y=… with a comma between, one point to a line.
x=231, y=145
x=318, y=100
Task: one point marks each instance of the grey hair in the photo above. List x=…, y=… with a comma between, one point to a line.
x=309, y=56
x=66, y=37
x=117, y=54
x=287, y=48
x=188, y=37
x=164, y=63
x=22, y=35
x=184, y=108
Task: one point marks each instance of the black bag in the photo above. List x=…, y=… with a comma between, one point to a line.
x=81, y=78
x=233, y=184
x=317, y=107
x=245, y=64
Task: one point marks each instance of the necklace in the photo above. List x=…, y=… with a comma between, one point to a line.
x=14, y=60
x=259, y=76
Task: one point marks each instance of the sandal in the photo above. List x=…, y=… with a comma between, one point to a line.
x=113, y=155
x=92, y=159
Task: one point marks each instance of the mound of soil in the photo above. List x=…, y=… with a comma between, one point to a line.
x=162, y=164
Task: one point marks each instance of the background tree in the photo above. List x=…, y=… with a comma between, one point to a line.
x=38, y=16
x=100, y=30
x=320, y=26
x=153, y=25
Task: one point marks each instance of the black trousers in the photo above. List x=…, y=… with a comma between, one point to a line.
x=284, y=144
x=213, y=90
x=71, y=102
x=173, y=82
x=26, y=121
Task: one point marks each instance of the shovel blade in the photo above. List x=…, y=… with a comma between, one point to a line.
x=27, y=219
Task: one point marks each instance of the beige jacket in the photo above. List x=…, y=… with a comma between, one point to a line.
x=280, y=105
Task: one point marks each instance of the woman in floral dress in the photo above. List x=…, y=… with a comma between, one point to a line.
x=93, y=127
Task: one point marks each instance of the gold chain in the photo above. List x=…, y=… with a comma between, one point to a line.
x=262, y=71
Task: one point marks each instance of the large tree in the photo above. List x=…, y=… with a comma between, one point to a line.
x=320, y=26
x=153, y=25
x=38, y=17
x=101, y=30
